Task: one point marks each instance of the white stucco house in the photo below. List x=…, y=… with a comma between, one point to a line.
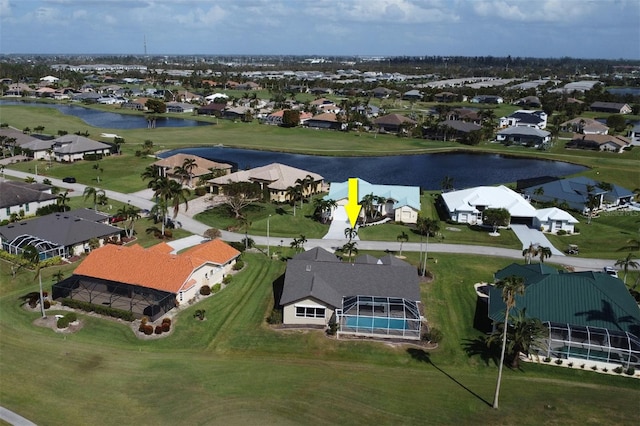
x=468, y=205
x=553, y=220
x=17, y=196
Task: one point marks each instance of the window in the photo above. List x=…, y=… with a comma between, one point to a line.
x=26, y=207
x=309, y=312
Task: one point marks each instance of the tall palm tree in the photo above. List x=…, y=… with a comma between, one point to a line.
x=544, y=253
x=31, y=255
x=90, y=191
x=131, y=213
x=529, y=253
x=62, y=201
x=367, y=203
x=402, y=238
x=294, y=193
x=510, y=286
x=149, y=172
x=446, y=183
x=523, y=334
x=350, y=249
x=189, y=165
x=321, y=206
x=426, y=226
x=627, y=263
x=305, y=185
x=178, y=195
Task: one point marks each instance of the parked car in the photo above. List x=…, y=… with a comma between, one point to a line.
x=69, y=179
x=117, y=218
x=610, y=271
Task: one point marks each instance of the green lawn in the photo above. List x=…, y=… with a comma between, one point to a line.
x=234, y=369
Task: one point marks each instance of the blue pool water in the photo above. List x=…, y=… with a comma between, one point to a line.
x=376, y=322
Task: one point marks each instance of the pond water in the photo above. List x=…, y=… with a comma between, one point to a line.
x=110, y=120
x=425, y=170
x=633, y=91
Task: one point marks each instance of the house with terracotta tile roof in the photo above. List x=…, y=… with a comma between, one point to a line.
x=147, y=281
x=393, y=123
x=166, y=166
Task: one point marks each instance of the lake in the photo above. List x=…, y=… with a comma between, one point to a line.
x=424, y=170
x=110, y=120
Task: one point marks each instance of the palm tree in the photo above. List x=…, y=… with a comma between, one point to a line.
x=98, y=170
x=627, y=263
x=90, y=191
x=544, y=253
x=446, y=184
x=182, y=173
x=321, y=205
x=245, y=223
x=31, y=255
x=350, y=233
x=62, y=200
x=58, y=276
x=402, y=238
x=131, y=214
x=510, y=286
x=189, y=165
x=529, y=253
x=305, y=185
x=149, y=173
x=178, y=195
x=523, y=334
x=367, y=203
x=426, y=226
x=294, y=193
x=350, y=249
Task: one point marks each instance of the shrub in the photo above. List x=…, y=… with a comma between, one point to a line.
x=166, y=320
x=238, y=265
x=275, y=317
x=227, y=279
x=333, y=328
x=618, y=370
x=630, y=371
x=215, y=288
x=547, y=359
x=558, y=361
x=142, y=327
x=63, y=322
x=582, y=365
x=205, y=290
x=201, y=190
x=148, y=329
x=570, y=364
x=47, y=304
x=561, y=232
x=594, y=367
x=199, y=314
x=73, y=317
x=605, y=369
x=144, y=320
x=98, y=309
x=434, y=335
x=158, y=329
x=166, y=326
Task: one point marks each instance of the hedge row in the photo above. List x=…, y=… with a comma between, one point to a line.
x=98, y=309
x=15, y=258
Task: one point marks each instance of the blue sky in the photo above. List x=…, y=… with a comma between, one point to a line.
x=539, y=28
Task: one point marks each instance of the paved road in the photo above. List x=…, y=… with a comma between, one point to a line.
x=13, y=418
x=195, y=227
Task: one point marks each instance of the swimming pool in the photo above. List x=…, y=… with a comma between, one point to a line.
x=376, y=322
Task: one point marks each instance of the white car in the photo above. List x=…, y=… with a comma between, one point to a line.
x=610, y=271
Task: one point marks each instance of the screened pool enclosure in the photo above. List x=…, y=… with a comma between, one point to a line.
x=592, y=344
x=379, y=317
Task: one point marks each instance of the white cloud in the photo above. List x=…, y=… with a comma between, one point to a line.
x=537, y=11
x=202, y=18
x=384, y=11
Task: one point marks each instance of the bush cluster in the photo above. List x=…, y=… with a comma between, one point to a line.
x=66, y=320
x=98, y=309
x=227, y=279
x=276, y=317
x=205, y=290
x=238, y=265
x=201, y=190
x=433, y=335
x=215, y=288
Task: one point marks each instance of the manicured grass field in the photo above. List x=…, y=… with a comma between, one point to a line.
x=233, y=369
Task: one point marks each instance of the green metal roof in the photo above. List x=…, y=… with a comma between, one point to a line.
x=590, y=298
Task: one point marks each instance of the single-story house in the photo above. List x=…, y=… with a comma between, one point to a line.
x=326, y=120
x=529, y=136
x=212, y=109
x=487, y=99
x=180, y=107
x=237, y=113
x=370, y=297
x=69, y=148
x=382, y=92
x=634, y=135
x=412, y=95
x=553, y=219
x=468, y=205
x=611, y=107
x=465, y=114
x=136, y=104
x=446, y=97
x=17, y=196
x=609, y=143
x=451, y=130
x=148, y=281
x=393, y=123
x=529, y=101
x=15, y=138
x=525, y=118
x=574, y=193
x=584, y=125
x=589, y=315
x=275, y=178
x=401, y=203
x=58, y=234
x=203, y=167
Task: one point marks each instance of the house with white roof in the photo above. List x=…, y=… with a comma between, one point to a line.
x=553, y=220
x=468, y=205
x=399, y=203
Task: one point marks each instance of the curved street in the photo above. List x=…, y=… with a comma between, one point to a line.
x=195, y=227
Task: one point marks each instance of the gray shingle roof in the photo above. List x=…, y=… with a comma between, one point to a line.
x=63, y=229
x=17, y=193
x=328, y=281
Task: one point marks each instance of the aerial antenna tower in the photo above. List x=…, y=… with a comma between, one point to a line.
x=145, y=45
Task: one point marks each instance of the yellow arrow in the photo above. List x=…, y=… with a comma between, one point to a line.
x=352, y=207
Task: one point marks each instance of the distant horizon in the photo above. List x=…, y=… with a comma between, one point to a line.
x=600, y=30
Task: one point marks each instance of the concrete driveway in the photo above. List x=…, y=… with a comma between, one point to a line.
x=339, y=223
x=528, y=236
